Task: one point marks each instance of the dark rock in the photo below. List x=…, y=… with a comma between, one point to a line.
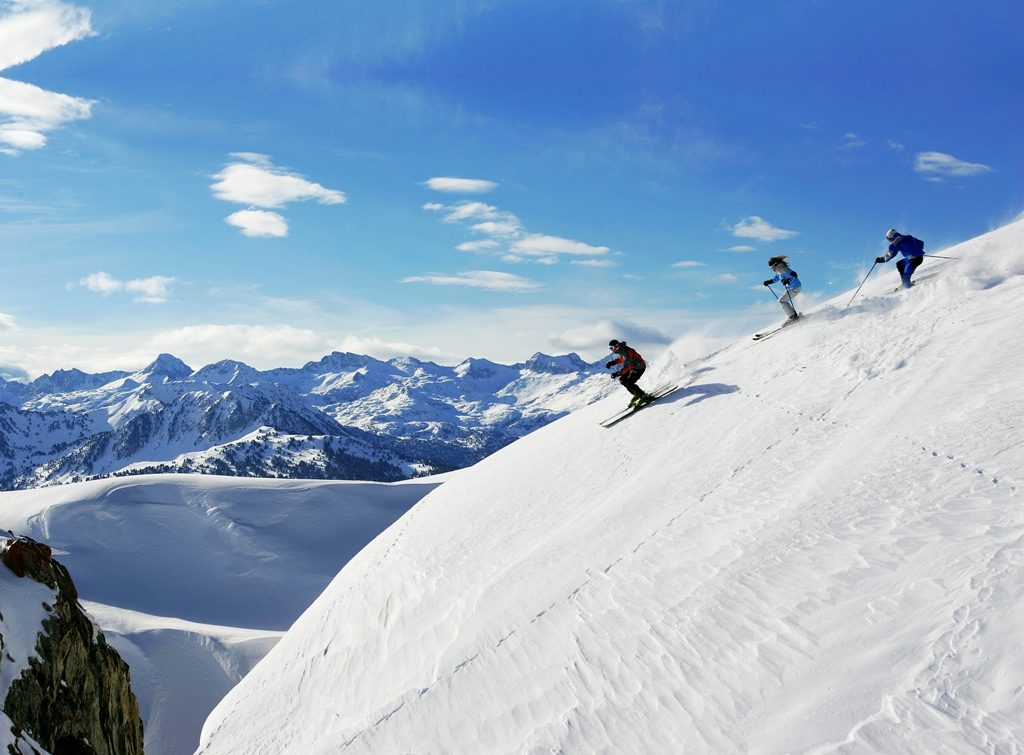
x=75, y=696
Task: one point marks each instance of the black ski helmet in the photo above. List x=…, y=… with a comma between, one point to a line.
x=612, y=344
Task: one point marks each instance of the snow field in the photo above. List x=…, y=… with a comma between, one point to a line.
x=815, y=545
x=194, y=578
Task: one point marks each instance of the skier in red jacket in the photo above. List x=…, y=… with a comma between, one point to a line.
x=633, y=366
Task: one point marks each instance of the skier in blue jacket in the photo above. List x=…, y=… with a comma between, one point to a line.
x=912, y=250
x=788, y=279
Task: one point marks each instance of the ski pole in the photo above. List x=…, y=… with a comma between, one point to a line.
x=861, y=285
x=773, y=292
x=940, y=258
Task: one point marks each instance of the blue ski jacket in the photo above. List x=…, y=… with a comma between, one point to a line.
x=908, y=246
x=788, y=279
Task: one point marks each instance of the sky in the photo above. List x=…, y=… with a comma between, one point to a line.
x=474, y=179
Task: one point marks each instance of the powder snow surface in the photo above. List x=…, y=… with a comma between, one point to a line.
x=815, y=545
x=192, y=578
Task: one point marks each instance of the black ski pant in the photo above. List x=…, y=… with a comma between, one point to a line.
x=629, y=381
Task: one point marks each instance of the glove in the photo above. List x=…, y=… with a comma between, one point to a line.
x=609, y=364
x=616, y=374
x=768, y=282
x=879, y=260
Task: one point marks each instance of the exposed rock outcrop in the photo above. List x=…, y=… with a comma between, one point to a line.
x=75, y=697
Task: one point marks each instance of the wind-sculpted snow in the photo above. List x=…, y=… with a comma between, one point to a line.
x=345, y=416
x=815, y=545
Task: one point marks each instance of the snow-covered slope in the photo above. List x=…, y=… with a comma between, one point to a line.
x=815, y=545
x=192, y=578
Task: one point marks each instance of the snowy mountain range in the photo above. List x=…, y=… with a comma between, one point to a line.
x=343, y=417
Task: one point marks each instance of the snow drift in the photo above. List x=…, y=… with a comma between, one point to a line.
x=815, y=545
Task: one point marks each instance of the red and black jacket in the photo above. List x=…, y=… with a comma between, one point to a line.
x=629, y=359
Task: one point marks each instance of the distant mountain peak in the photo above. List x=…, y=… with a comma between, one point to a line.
x=571, y=362
x=165, y=366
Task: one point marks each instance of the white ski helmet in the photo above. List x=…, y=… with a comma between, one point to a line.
x=891, y=234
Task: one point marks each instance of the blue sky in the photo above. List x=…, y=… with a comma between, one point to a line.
x=271, y=181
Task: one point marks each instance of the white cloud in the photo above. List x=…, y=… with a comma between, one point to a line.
x=754, y=227
x=7, y=323
x=216, y=342
x=477, y=246
x=255, y=181
x=152, y=290
x=740, y=248
x=542, y=245
x=726, y=278
x=502, y=229
x=259, y=223
x=101, y=283
x=461, y=185
x=31, y=27
x=435, y=206
x=895, y=146
x=381, y=349
x=595, y=336
x=28, y=112
x=469, y=211
x=595, y=263
x=939, y=164
x=489, y=280
x=687, y=263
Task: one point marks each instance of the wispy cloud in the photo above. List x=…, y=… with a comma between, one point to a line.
x=477, y=246
x=460, y=185
x=938, y=165
x=253, y=180
x=489, y=280
x=259, y=223
x=208, y=343
x=506, y=236
x=594, y=263
x=382, y=349
x=754, y=227
x=595, y=336
x=852, y=141
x=740, y=248
x=7, y=323
x=29, y=28
x=726, y=278
x=542, y=245
x=687, y=263
x=152, y=290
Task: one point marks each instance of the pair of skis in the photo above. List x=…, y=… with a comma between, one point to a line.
x=655, y=395
x=773, y=331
